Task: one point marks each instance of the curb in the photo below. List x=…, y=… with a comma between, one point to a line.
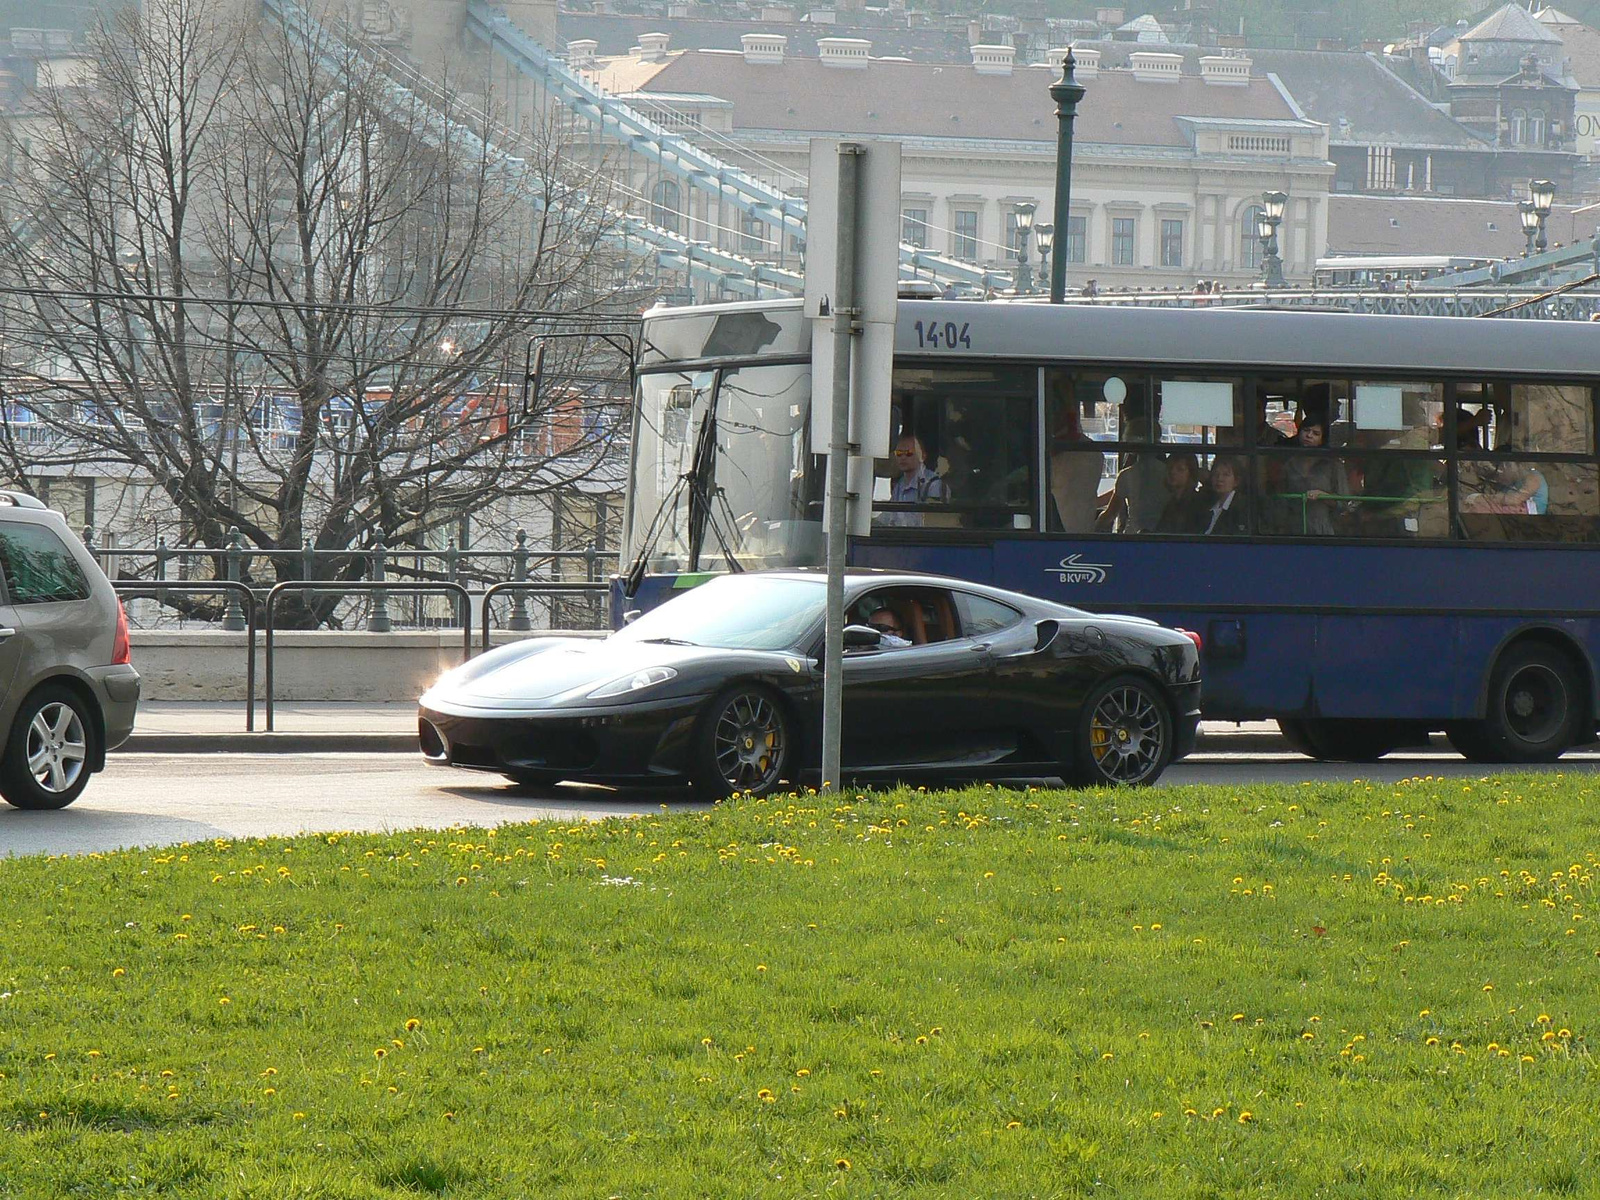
x=310, y=742
x=269, y=743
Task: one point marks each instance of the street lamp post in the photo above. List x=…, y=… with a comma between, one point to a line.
x=1542, y=194
x=1024, y=274
x=1066, y=92
x=1044, y=237
x=1272, y=206
x=1530, y=225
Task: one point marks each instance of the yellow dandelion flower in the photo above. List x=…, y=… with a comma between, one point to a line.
x=761, y=966
x=1548, y=1036
x=269, y=1091
x=223, y=1000
x=380, y=1052
x=1433, y=1041
x=1156, y=1116
x=1565, y=1033
x=1544, y=1018
x=413, y=1025
x=1237, y=1017
x=921, y=1040
x=1527, y=1058
x=803, y=1072
x=1107, y=1055
x=1246, y=1117
x=299, y=1116
x=118, y=973
x=842, y=1164
x=1013, y=1124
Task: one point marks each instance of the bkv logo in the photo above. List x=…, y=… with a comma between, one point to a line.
x=1073, y=570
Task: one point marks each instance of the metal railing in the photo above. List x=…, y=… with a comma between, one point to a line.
x=521, y=587
x=379, y=564
x=437, y=587
x=247, y=601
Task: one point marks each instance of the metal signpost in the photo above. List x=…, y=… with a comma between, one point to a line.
x=852, y=272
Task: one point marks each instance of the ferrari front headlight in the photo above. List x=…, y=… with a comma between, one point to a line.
x=636, y=682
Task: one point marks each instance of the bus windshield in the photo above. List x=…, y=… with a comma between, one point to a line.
x=722, y=471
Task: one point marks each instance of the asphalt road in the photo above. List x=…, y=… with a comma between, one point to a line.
x=162, y=799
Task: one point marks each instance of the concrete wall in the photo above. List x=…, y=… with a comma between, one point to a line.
x=316, y=665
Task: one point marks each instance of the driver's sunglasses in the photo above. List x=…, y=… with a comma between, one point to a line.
x=879, y=625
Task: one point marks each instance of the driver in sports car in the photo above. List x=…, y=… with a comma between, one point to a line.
x=893, y=636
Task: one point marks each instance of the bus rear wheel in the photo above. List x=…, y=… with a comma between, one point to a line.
x=1534, y=707
x=1340, y=740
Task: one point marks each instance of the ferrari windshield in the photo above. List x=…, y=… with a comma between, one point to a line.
x=736, y=612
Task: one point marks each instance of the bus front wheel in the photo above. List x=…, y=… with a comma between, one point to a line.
x=1340, y=740
x=1534, y=706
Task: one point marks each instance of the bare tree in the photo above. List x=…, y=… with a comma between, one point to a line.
x=295, y=297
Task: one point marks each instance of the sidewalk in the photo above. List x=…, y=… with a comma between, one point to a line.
x=197, y=727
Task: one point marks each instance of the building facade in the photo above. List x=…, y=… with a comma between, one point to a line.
x=1169, y=167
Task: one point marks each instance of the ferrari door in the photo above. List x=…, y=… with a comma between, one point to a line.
x=917, y=705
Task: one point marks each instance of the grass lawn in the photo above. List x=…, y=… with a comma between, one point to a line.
x=1304, y=991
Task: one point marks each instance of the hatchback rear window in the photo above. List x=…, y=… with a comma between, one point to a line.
x=38, y=566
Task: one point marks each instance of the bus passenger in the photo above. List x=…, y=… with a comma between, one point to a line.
x=1074, y=473
x=915, y=482
x=1138, y=496
x=1509, y=488
x=1227, y=513
x=1313, y=478
x=1188, y=499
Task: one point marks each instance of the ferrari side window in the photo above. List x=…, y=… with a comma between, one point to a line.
x=981, y=616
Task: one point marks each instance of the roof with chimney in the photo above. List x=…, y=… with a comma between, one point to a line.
x=616, y=34
x=902, y=99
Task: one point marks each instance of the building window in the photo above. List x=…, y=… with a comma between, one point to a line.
x=1249, y=244
x=666, y=206
x=1123, y=232
x=1519, y=126
x=1536, y=127
x=754, y=241
x=966, y=233
x=1077, y=239
x=1172, y=243
x=914, y=227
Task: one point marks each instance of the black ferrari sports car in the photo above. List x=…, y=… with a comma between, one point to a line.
x=722, y=687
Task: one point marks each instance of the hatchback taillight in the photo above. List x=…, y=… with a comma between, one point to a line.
x=1193, y=637
x=121, y=645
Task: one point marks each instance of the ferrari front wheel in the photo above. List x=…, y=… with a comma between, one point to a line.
x=744, y=744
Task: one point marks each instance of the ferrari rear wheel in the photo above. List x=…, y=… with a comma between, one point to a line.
x=1124, y=735
x=744, y=744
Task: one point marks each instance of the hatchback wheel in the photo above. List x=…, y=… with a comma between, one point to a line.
x=46, y=763
x=1124, y=735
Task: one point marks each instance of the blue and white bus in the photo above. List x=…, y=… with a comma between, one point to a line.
x=1381, y=526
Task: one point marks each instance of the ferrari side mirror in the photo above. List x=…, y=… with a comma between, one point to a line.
x=862, y=637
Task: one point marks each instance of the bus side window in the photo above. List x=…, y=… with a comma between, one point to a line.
x=1501, y=500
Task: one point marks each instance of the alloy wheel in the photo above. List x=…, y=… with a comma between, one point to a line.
x=58, y=749
x=749, y=743
x=1126, y=735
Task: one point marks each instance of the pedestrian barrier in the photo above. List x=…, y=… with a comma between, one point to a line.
x=435, y=588
x=519, y=617
x=247, y=606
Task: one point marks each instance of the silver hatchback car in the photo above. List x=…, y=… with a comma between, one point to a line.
x=68, y=690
